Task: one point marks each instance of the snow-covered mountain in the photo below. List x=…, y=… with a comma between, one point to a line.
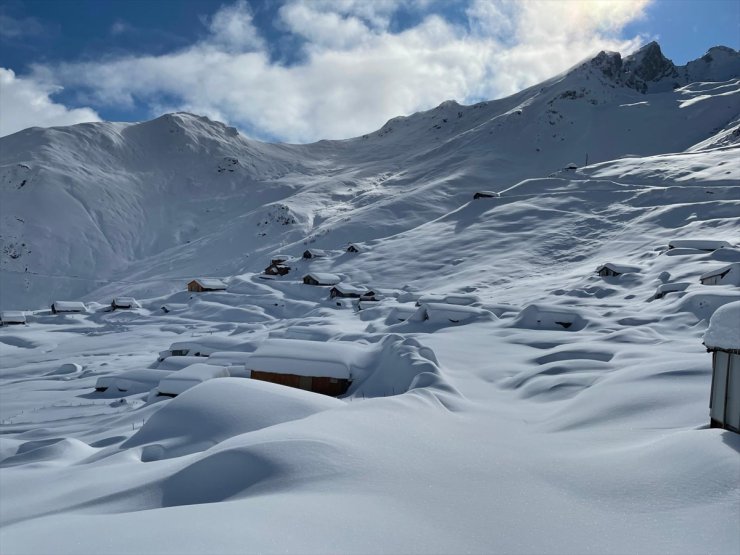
x=151, y=203
x=529, y=405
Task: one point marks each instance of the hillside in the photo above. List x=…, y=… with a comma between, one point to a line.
x=529, y=405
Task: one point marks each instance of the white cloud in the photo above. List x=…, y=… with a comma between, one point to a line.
x=231, y=27
x=26, y=103
x=356, y=73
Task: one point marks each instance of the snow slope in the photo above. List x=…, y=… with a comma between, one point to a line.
x=565, y=413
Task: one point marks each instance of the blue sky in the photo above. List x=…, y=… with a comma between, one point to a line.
x=301, y=70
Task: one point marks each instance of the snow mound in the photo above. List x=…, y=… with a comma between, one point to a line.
x=704, y=304
x=443, y=313
x=724, y=328
x=67, y=368
x=190, y=376
x=57, y=450
x=219, y=409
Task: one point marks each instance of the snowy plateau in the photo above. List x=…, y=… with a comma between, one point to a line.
x=528, y=405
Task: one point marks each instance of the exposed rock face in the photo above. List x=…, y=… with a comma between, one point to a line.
x=648, y=70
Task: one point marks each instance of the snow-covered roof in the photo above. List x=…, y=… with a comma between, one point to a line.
x=724, y=328
x=735, y=267
x=539, y=316
x=316, y=253
x=454, y=299
x=488, y=194
x=355, y=246
x=347, y=289
x=188, y=377
x=13, y=317
x=330, y=359
x=443, y=313
x=210, y=283
x=324, y=278
x=139, y=380
x=619, y=268
x=672, y=287
x=280, y=257
x=69, y=306
x=699, y=244
x=129, y=302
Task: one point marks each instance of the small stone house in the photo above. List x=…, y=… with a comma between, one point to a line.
x=345, y=291
x=125, y=303
x=277, y=269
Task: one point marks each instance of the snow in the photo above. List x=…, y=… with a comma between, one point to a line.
x=698, y=244
x=190, y=376
x=505, y=433
x=330, y=359
x=131, y=381
x=442, y=313
x=724, y=328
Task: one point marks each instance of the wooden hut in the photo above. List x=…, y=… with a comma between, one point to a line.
x=277, y=269
x=199, y=285
x=320, y=366
x=611, y=270
x=62, y=307
x=353, y=247
x=485, y=194
x=125, y=303
x=317, y=278
x=346, y=291
x=279, y=259
x=314, y=253
x=722, y=339
x=727, y=275
x=12, y=318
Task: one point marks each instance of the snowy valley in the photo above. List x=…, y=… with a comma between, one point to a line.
x=524, y=372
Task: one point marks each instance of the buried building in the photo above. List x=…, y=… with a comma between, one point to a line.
x=320, y=366
x=722, y=339
x=726, y=275
x=318, y=278
x=61, y=307
x=612, y=270
x=12, y=318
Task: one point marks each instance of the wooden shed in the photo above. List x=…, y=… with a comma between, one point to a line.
x=277, y=269
x=12, y=318
x=314, y=253
x=485, y=194
x=726, y=275
x=125, y=303
x=317, y=278
x=199, y=285
x=611, y=269
x=722, y=339
x=61, y=307
x=320, y=366
x=345, y=291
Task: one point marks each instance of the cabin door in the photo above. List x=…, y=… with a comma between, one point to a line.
x=305, y=382
x=719, y=386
